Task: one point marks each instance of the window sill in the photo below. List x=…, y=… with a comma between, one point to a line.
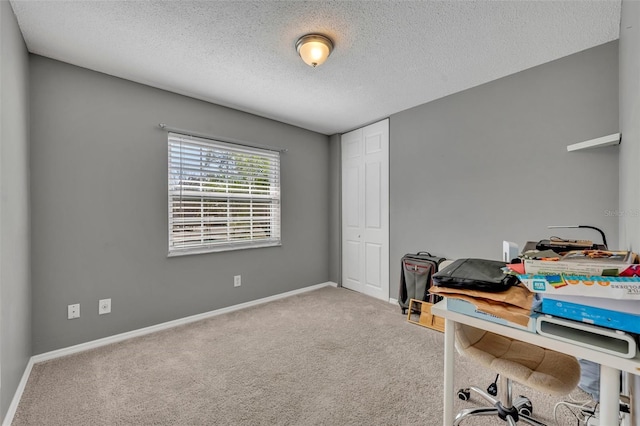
x=223, y=248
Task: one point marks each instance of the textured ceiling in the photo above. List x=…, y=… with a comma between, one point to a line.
x=389, y=55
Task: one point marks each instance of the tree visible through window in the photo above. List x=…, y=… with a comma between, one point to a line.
x=222, y=196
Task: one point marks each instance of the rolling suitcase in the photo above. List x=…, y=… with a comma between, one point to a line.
x=415, y=278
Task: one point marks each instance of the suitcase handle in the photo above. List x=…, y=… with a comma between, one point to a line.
x=424, y=252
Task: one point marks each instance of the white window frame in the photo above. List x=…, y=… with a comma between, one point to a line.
x=221, y=196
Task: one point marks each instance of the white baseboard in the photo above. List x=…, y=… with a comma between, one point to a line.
x=11, y=412
x=393, y=301
x=136, y=333
x=170, y=324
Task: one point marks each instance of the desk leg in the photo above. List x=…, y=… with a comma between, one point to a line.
x=449, y=351
x=609, y=395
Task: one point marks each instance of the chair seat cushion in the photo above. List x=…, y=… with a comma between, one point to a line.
x=539, y=368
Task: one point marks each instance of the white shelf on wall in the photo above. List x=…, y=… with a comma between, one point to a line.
x=609, y=140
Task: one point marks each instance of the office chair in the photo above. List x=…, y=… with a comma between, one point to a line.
x=545, y=370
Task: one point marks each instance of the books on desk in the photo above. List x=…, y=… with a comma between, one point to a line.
x=583, y=285
x=598, y=288
x=592, y=273
x=587, y=262
x=616, y=314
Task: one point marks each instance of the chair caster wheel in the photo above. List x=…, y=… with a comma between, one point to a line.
x=526, y=408
x=492, y=389
x=464, y=394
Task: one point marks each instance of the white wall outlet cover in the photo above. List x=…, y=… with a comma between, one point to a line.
x=104, y=306
x=73, y=311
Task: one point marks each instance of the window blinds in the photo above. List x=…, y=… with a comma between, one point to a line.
x=222, y=196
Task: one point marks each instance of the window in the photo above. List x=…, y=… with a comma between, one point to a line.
x=222, y=196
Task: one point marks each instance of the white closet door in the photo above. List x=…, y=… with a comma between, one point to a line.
x=365, y=210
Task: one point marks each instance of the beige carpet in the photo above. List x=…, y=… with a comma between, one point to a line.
x=328, y=357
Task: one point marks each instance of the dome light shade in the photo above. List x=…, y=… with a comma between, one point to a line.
x=314, y=49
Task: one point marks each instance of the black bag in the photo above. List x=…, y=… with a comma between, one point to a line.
x=475, y=274
x=416, y=271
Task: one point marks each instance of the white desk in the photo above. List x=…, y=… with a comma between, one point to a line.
x=610, y=365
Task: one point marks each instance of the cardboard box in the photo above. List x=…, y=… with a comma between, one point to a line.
x=467, y=308
x=618, y=315
x=420, y=313
x=583, y=285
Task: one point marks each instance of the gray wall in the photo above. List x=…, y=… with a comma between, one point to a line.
x=15, y=299
x=490, y=163
x=630, y=146
x=335, y=212
x=99, y=203
x=630, y=125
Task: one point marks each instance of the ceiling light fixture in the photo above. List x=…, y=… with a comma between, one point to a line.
x=314, y=49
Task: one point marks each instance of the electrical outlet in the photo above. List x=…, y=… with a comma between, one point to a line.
x=237, y=280
x=104, y=306
x=73, y=311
